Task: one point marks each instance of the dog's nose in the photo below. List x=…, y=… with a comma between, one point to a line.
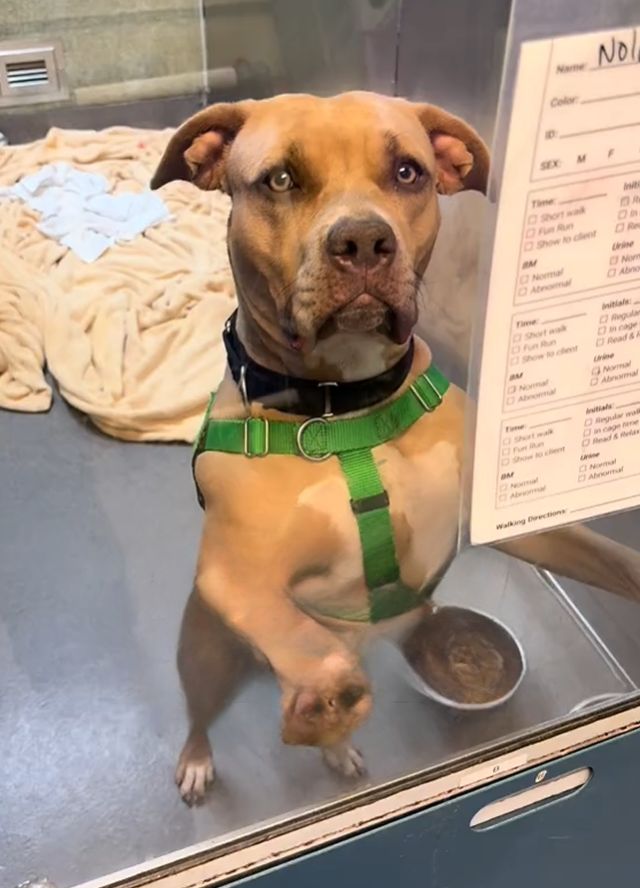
x=355, y=244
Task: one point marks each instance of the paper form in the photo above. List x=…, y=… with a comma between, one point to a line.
x=558, y=423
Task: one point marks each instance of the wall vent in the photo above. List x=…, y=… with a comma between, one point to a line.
x=31, y=72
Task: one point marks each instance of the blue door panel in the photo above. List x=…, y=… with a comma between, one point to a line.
x=588, y=840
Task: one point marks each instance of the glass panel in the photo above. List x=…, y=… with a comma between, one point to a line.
x=320, y=46
x=99, y=525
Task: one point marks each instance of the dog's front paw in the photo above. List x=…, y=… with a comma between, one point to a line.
x=345, y=760
x=195, y=772
x=334, y=701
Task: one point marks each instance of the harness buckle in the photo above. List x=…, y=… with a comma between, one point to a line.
x=370, y=503
x=425, y=404
x=312, y=457
x=246, y=449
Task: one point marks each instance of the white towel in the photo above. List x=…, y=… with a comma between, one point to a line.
x=78, y=211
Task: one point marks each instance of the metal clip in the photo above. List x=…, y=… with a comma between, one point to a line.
x=242, y=385
x=327, y=397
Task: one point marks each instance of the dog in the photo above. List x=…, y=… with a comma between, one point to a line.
x=334, y=218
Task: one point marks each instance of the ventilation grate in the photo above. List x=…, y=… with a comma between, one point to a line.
x=31, y=73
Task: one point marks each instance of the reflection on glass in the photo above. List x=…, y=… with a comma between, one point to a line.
x=99, y=527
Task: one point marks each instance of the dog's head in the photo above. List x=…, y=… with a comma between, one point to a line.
x=335, y=209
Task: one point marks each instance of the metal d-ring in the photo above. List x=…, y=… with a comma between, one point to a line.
x=324, y=419
x=300, y=434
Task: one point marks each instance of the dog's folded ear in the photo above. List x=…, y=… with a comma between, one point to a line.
x=462, y=158
x=197, y=150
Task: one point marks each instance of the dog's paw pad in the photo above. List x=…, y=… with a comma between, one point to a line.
x=345, y=760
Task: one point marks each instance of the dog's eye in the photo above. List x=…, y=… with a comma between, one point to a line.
x=408, y=173
x=280, y=181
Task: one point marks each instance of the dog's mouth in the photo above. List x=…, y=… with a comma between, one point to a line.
x=365, y=313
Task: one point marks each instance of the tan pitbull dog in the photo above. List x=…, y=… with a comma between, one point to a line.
x=334, y=217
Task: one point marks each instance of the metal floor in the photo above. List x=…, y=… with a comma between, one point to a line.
x=97, y=547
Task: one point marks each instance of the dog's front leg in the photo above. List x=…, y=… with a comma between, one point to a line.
x=583, y=555
x=299, y=649
x=325, y=693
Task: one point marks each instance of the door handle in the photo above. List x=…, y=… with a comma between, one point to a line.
x=538, y=796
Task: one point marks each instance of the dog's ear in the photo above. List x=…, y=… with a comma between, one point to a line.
x=462, y=158
x=197, y=150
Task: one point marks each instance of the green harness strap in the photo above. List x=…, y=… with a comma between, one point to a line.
x=352, y=441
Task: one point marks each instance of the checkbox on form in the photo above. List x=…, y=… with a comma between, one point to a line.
x=588, y=421
x=622, y=214
x=599, y=341
x=528, y=245
x=611, y=273
x=620, y=227
x=604, y=319
x=624, y=201
x=581, y=477
x=524, y=279
x=517, y=337
x=613, y=260
x=532, y=220
x=510, y=401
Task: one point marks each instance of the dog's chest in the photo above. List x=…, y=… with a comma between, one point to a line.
x=423, y=490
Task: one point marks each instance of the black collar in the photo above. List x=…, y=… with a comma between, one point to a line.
x=305, y=396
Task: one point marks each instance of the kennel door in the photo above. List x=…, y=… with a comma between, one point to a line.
x=580, y=831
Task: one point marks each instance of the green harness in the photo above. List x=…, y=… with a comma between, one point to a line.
x=352, y=442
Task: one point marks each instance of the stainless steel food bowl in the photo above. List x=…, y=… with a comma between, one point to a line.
x=441, y=634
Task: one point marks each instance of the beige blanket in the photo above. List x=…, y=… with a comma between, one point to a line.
x=133, y=339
